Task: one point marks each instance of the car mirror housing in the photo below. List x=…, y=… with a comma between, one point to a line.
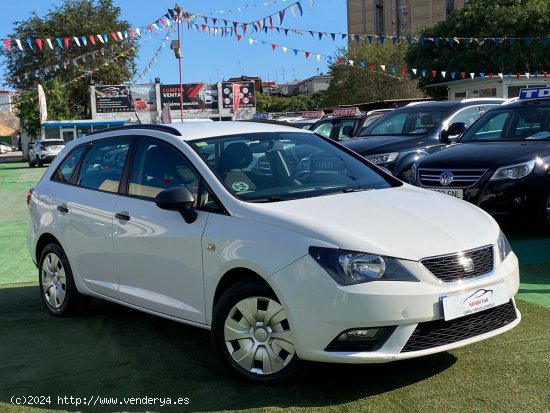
x=178, y=199
x=457, y=128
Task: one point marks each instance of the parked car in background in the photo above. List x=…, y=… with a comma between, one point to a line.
x=6, y=147
x=407, y=134
x=140, y=104
x=343, y=124
x=44, y=151
x=501, y=164
x=181, y=222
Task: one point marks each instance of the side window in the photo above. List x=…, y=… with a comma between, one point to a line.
x=324, y=130
x=393, y=125
x=466, y=115
x=65, y=170
x=102, y=166
x=492, y=130
x=207, y=201
x=157, y=167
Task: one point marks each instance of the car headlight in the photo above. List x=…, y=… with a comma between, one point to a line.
x=504, y=248
x=517, y=171
x=383, y=157
x=351, y=267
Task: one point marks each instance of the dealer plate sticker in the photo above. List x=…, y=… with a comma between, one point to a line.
x=474, y=301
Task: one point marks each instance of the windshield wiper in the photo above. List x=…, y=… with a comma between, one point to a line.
x=347, y=190
x=266, y=200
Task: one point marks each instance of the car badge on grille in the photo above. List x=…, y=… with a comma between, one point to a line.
x=467, y=264
x=446, y=178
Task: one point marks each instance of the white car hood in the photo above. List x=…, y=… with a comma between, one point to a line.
x=405, y=222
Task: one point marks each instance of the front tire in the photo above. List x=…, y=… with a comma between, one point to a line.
x=251, y=332
x=39, y=162
x=57, y=287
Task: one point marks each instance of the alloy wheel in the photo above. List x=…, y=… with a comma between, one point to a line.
x=258, y=336
x=54, y=281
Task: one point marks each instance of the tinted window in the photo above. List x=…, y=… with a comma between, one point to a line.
x=64, y=171
x=52, y=143
x=337, y=129
x=410, y=121
x=157, y=167
x=269, y=166
x=102, y=166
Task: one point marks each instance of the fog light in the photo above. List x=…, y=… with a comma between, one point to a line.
x=361, y=339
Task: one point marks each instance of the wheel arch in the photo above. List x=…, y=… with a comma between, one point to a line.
x=44, y=240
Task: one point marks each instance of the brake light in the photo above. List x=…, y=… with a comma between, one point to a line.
x=29, y=196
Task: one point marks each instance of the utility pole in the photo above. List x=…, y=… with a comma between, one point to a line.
x=176, y=47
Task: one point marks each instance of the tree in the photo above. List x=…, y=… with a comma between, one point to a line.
x=276, y=103
x=356, y=84
x=486, y=19
x=72, y=18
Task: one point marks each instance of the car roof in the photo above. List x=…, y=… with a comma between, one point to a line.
x=452, y=103
x=518, y=103
x=199, y=130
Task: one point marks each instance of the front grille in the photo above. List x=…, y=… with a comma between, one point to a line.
x=440, y=332
x=461, y=265
x=462, y=178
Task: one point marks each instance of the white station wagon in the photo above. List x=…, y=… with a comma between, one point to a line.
x=285, y=245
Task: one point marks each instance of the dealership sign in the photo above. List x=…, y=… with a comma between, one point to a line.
x=238, y=95
x=121, y=98
x=195, y=96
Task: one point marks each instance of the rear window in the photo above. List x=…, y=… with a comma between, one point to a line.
x=53, y=143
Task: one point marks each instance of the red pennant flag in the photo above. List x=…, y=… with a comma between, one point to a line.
x=239, y=37
x=518, y=75
x=434, y=73
x=307, y=54
x=66, y=42
x=404, y=71
x=149, y=28
x=39, y=43
x=131, y=33
x=490, y=75
x=92, y=39
x=270, y=22
x=203, y=26
x=545, y=74
x=244, y=28
x=273, y=46
x=113, y=35
x=463, y=74
x=8, y=45
x=371, y=67
x=340, y=61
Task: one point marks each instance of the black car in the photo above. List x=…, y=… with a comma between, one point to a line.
x=407, y=134
x=501, y=163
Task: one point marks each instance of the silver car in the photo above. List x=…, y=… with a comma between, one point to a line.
x=44, y=151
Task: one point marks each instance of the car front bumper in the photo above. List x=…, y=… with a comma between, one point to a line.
x=409, y=308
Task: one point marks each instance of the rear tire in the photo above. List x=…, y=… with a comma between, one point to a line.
x=251, y=332
x=39, y=162
x=57, y=287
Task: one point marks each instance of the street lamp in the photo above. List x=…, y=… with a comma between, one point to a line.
x=175, y=45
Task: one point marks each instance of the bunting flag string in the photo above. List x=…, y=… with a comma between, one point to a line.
x=65, y=42
x=155, y=57
x=249, y=6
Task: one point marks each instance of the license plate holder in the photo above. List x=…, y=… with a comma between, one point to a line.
x=457, y=193
x=473, y=301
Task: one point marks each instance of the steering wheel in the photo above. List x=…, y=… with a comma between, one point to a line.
x=295, y=176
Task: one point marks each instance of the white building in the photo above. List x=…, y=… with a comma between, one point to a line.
x=314, y=84
x=6, y=101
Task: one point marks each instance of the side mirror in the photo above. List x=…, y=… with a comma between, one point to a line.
x=457, y=128
x=178, y=199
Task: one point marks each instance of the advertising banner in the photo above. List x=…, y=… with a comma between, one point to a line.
x=244, y=91
x=195, y=96
x=120, y=98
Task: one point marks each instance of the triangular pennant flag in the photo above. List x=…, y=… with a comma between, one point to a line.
x=518, y=75
x=453, y=74
x=472, y=75
x=421, y=40
x=545, y=41
x=545, y=74
x=414, y=71
x=340, y=61
x=536, y=75
x=273, y=46
x=466, y=42
x=29, y=42
x=270, y=22
x=383, y=67
x=463, y=75
x=394, y=39
x=76, y=41
x=362, y=64
x=501, y=75
x=404, y=71
x=369, y=37
x=436, y=41
x=307, y=54
x=239, y=37
x=409, y=39
x=497, y=41
x=482, y=75
x=333, y=35
x=450, y=41
x=320, y=35
x=423, y=71
x=528, y=41
x=59, y=42
x=300, y=7
x=381, y=39
x=244, y=26
x=100, y=38
x=39, y=43
x=250, y=41
x=371, y=67
x=281, y=16
x=120, y=36
x=443, y=74
x=113, y=35
x=511, y=40
x=7, y=44
x=318, y=57
x=527, y=74
x=356, y=37
x=344, y=35
x=149, y=28
x=491, y=75
x=285, y=49
x=350, y=62
x=434, y=73
x=84, y=41
x=292, y=11
x=66, y=42
x=295, y=52
x=394, y=69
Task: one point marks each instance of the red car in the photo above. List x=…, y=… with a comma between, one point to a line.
x=140, y=104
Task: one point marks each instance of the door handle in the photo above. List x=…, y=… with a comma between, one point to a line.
x=123, y=216
x=63, y=208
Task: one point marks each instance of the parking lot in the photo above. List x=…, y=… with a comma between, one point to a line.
x=112, y=351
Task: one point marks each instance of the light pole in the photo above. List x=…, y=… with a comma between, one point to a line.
x=176, y=47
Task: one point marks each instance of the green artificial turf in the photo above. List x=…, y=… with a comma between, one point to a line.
x=112, y=351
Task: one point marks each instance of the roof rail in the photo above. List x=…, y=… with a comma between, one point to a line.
x=162, y=128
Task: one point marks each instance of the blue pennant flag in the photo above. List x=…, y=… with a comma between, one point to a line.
x=409, y=40
x=381, y=39
x=286, y=32
x=536, y=74
x=394, y=39
x=453, y=74
x=296, y=52
x=545, y=41
x=333, y=35
x=394, y=69
x=482, y=75
x=320, y=35
x=59, y=42
x=481, y=40
x=300, y=7
x=83, y=38
x=362, y=64
x=344, y=35
x=450, y=40
x=29, y=41
x=423, y=72
x=370, y=38
x=436, y=41
x=357, y=38
x=509, y=75
x=421, y=40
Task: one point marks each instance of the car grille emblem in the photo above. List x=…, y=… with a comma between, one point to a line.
x=446, y=178
x=467, y=264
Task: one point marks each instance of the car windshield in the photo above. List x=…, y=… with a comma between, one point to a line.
x=511, y=124
x=270, y=166
x=52, y=143
x=412, y=121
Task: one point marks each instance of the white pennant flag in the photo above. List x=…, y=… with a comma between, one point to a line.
x=285, y=49
x=414, y=71
x=120, y=35
x=350, y=62
x=501, y=75
x=138, y=31
x=527, y=74
x=318, y=57
x=472, y=75
x=383, y=67
x=76, y=41
x=250, y=41
x=49, y=41
x=443, y=73
x=168, y=22
x=292, y=11
x=100, y=37
x=19, y=44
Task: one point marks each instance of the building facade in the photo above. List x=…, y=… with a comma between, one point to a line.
x=397, y=17
x=6, y=101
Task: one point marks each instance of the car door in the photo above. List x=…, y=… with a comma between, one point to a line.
x=84, y=204
x=159, y=255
